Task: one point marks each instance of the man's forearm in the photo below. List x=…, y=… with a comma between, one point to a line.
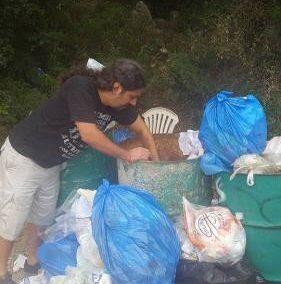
x=148, y=142
x=95, y=138
x=143, y=132
x=101, y=143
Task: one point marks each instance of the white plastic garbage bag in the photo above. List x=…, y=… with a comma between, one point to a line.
x=19, y=263
x=70, y=215
x=252, y=164
x=272, y=151
x=215, y=234
x=87, y=243
x=188, y=251
x=75, y=217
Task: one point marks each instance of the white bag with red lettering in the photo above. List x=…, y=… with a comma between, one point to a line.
x=214, y=233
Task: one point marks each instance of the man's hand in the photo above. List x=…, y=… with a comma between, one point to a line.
x=142, y=131
x=91, y=135
x=138, y=153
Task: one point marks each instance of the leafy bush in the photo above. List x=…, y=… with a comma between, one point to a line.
x=18, y=99
x=202, y=48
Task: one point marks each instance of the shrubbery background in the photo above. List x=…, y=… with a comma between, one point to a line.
x=190, y=50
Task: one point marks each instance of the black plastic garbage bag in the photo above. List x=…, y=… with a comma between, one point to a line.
x=192, y=272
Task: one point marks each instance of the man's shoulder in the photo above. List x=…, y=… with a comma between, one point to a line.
x=78, y=79
x=78, y=84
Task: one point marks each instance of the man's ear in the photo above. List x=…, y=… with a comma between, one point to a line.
x=117, y=88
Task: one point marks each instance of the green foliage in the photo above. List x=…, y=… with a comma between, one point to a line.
x=17, y=100
x=188, y=54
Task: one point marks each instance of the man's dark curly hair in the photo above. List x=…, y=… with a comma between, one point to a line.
x=124, y=71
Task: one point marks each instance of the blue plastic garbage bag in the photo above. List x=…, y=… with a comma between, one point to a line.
x=54, y=257
x=122, y=134
x=136, y=240
x=231, y=127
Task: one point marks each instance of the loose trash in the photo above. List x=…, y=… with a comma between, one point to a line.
x=19, y=263
x=190, y=144
x=136, y=240
x=213, y=234
x=231, y=127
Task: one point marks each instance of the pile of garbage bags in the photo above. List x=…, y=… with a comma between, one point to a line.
x=116, y=234
x=119, y=234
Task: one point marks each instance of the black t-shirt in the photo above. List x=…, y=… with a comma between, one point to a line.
x=49, y=135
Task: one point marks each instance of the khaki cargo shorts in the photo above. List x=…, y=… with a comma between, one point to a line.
x=28, y=192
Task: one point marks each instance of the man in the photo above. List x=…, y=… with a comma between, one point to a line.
x=32, y=155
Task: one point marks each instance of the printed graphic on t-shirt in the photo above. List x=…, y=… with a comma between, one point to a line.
x=71, y=143
x=102, y=120
x=71, y=140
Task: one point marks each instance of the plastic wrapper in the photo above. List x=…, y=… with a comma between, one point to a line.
x=215, y=234
x=190, y=144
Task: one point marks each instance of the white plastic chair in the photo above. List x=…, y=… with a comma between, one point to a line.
x=160, y=120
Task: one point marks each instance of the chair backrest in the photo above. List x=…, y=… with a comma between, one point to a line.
x=160, y=120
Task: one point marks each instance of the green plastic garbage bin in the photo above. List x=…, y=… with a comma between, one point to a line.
x=168, y=182
x=261, y=206
x=86, y=171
